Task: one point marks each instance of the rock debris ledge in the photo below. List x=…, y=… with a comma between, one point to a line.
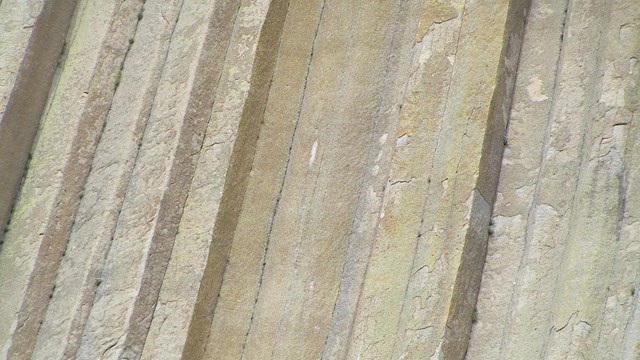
x=319, y=179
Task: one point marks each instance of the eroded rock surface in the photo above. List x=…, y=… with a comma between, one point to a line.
x=319, y=179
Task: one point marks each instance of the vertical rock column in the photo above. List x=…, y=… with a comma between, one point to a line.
x=178, y=297
x=519, y=179
x=46, y=207
x=235, y=303
x=32, y=37
x=423, y=277
x=334, y=93
x=143, y=238
x=594, y=291
x=305, y=243
x=562, y=269
x=100, y=203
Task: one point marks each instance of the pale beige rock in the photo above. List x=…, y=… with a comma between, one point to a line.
x=401, y=214
x=177, y=300
x=618, y=153
x=240, y=166
x=32, y=37
x=583, y=326
x=17, y=18
x=558, y=282
x=80, y=271
x=375, y=179
x=49, y=199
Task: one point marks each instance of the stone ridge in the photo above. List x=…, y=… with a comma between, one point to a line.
x=32, y=38
x=561, y=272
x=319, y=179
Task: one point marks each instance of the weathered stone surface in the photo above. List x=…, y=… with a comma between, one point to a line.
x=237, y=179
x=266, y=179
x=168, y=333
x=49, y=199
x=80, y=271
x=558, y=282
x=17, y=24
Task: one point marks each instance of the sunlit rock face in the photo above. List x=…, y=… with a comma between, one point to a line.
x=319, y=179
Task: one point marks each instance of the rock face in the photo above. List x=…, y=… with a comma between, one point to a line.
x=319, y=179
x=562, y=266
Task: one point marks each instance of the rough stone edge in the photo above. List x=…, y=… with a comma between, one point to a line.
x=237, y=178
x=60, y=220
x=469, y=275
x=21, y=120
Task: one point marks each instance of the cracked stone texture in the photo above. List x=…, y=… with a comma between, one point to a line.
x=46, y=207
x=32, y=35
x=177, y=300
x=562, y=266
x=319, y=179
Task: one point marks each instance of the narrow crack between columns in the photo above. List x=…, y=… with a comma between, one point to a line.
x=282, y=182
x=530, y=226
x=426, y=202
x=72, y=349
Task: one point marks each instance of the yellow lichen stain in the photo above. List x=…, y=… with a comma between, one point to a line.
x=434, y=12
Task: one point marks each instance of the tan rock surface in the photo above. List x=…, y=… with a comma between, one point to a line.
x=45, y=210
x=560, y=280
x=32, y=35
x=274, y=179
x=17, y=23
